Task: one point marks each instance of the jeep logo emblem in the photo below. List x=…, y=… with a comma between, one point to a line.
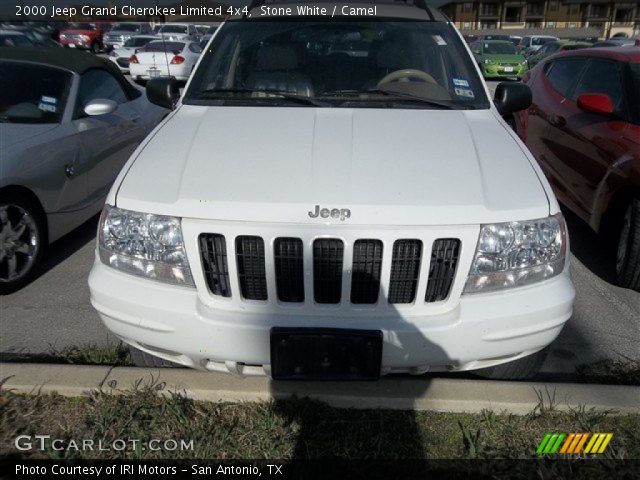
x=341, y=213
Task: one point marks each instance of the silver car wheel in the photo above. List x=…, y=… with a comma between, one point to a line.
x=623, y=241
x=19, y=242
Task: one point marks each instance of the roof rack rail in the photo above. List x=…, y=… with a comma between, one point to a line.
x=434, y=14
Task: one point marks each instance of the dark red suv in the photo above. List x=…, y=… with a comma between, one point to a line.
x=584, y=129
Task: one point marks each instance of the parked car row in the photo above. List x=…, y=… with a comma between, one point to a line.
x=506, y=56
x=68, y=122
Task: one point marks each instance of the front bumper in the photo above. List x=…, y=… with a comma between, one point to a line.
x=481, y=330
x=498, y=71
x=142, y=72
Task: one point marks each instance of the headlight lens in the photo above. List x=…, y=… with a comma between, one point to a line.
x=488, y=61
x=143, y=244
x=518, y=253
x=84, y=38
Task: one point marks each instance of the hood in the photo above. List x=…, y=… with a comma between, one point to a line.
x=14, y=133
x=505, y=58
x=388, y=166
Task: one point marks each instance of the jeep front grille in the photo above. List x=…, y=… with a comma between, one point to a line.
x=445, y=254
x=327, y=270
x=316, y=271
x=213, y=251
x=251, y=274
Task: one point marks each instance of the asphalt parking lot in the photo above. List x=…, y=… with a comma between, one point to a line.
x=54, y=312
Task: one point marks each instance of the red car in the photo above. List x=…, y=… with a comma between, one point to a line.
x=583, y=127
x=87, y=36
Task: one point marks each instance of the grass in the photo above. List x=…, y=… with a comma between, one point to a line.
x=291, y=429
x=116, y=355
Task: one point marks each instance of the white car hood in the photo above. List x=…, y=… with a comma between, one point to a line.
x=388, y=166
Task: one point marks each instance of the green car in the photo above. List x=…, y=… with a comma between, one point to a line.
x=554, y=47
x=499, y=59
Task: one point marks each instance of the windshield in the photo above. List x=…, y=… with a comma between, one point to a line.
x=11, y=40
x=126, y=27
x=32, y=93
x=502, y=48
x=542, y=40
x=137, y=42
x=174, y=29
x=160, y=46
x=335, y=64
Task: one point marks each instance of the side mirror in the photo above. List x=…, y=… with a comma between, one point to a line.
x=100, y=106
x=512, y=97
x=596, y=103
x=164, y=92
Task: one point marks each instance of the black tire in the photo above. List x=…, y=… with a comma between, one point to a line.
x=521, y=369
x=628, y=253
x=10, y=201
x=95, y=47
x=144, y=359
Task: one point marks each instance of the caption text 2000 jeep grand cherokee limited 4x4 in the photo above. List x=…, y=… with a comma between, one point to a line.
x=335, y=199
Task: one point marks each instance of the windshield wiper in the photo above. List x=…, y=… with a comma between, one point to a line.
x=400, y=96
x=268, y=94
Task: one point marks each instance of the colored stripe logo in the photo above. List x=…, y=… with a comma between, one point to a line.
x=574, y=443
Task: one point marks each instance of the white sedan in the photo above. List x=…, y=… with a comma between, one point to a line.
x=121, y=56
x=164, y=59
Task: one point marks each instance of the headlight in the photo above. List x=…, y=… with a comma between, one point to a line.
x=143, y=244
x=488, y=61
x=518, y=253
x=84, y=38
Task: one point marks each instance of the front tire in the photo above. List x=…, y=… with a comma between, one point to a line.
x=22, y=241
x=520, y=369
x=95, y=47
x=628, y=255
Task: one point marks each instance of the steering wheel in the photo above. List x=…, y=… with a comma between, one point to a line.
x=406, y=74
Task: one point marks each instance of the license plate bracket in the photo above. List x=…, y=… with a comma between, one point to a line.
x=325, y=354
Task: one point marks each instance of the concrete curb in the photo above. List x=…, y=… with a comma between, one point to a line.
x=438, y=394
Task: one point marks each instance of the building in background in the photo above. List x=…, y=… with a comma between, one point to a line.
x=576, y=18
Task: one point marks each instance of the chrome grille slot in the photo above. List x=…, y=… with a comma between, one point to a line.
x=327, y=270
x=213, y=252
x=367, y=267
x=289, y=269
x=405, y=269
x=251, y=272
x=445, y=254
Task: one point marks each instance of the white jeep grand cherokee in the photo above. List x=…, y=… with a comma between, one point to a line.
x=335, y=199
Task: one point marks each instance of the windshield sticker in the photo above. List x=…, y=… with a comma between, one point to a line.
x=48, y=104
x=460, y=82
x=464, y=92
x=438, y=39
